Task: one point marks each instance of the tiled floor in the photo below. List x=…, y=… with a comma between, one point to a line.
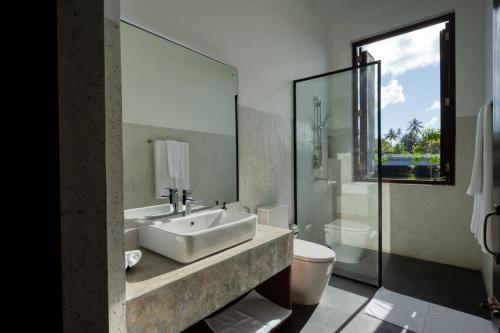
x=341, y=307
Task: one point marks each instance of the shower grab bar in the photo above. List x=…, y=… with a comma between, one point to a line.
x=322, y=178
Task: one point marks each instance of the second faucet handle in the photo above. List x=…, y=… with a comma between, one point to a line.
x=186, y=196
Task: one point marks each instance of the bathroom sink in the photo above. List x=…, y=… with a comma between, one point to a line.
x=189, y=238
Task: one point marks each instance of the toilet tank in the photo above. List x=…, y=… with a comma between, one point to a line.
x=275, y=215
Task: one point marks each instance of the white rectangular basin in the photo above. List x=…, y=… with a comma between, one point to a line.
x=189, y=238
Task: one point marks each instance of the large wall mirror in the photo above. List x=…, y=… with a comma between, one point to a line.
x=179, y=122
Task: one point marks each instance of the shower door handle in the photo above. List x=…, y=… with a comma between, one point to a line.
x=494, y=212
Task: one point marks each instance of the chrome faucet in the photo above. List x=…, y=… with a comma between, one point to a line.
x=173, y=197
x=188, y=201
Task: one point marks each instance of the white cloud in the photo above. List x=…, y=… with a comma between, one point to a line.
x=435, y=106
x=412, y=50
x=392, y=93
x=433, y=122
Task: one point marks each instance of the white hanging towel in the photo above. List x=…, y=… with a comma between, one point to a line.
x=481, y=184
x=183, y=150
x=162, y=179
x=173, y=160
x=178, y=163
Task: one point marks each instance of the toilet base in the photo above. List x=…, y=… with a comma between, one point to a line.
x=309, y=280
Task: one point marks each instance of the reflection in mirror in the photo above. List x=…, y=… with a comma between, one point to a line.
x=179, y=124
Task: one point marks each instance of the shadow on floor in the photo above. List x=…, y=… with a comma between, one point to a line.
x=300, y=316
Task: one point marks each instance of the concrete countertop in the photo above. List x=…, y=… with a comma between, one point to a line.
x=168, y=296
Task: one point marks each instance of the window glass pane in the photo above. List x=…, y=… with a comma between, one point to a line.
x=410, y=103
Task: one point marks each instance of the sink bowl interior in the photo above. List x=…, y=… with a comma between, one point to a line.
x=196, y=223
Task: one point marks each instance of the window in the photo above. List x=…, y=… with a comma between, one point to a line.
x=417, y=102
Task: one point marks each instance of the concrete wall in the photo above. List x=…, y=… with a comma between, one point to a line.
x=487, y=264
x=440, y=232
x=271, y=43
x=93, y=276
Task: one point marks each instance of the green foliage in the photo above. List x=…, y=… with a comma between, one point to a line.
x=409, y=140
x=399, y=148
x=434, y=159
x=416, y=140
x=416, y=158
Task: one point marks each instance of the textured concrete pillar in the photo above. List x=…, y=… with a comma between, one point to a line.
x=93, y=277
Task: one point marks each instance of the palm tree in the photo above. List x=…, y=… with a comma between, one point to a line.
x=415, y=127
x=408, y=140
x=392, y=135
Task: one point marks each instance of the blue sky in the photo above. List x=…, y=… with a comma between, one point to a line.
x=421, y=91
x=410, y=78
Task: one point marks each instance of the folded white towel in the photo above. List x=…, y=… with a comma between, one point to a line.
x=253, y=314
x=481, y=184
x=132, y=258
x=423, y=317
x=445, y=320
x=403, y=311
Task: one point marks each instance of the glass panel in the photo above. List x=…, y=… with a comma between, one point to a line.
x=335, y=207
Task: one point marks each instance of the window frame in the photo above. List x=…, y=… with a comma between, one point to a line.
x=447, y=91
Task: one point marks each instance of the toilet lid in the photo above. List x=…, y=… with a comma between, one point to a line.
x=312, y=252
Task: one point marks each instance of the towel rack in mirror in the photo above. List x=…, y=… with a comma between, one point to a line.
x=153, y=140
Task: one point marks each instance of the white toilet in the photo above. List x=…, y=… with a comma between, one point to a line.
x=348, y=239
x=312, y=263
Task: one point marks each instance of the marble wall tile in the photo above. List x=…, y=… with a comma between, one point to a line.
x=265, y=159
x=432, y=222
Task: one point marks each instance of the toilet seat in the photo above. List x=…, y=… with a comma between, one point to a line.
x=311, y=252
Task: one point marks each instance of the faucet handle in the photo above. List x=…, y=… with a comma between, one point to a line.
x=186, y=196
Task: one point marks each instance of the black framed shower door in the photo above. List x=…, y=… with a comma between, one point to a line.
x=337, y=167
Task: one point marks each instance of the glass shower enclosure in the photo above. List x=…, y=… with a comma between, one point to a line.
x=337, y=168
